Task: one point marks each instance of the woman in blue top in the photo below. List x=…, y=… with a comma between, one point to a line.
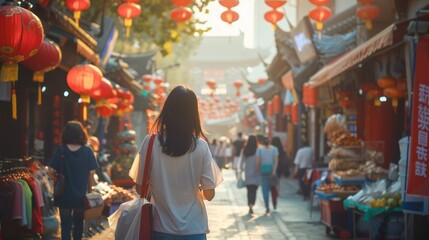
x=266, y=161
x=77, y=163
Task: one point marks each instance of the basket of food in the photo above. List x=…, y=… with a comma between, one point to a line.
x=346, y=191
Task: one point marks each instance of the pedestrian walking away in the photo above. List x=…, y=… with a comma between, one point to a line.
x=183, y=173
x=303, y=161
x=247, y=164
x=266, y=161
x=237, y=147
x=76, y=162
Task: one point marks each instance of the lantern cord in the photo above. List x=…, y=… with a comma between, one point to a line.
x=84, y=113
x=14, y=115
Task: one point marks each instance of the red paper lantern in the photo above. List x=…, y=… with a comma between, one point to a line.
x=46, y=59
x=262, y=81
x=310, y=95
x=77, y=6
x=229, y=16
x=84, y=79
x=104, y=91
x=106, y=110
x=367, y=13
x=319, y=2
x=180, y=14
x=394, y=93
x=129, y=11
x=294, y=115
x=275, y=3
x=21, y=37
x=277, y=102
x=386, y=82
x=287, y=109
x=229, y=3
x=238, y=84
x=320, y=14
x=273, y=16
x=269, y=109
x=181, y=3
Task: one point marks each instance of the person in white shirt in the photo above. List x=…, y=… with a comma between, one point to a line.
x=183, y=172
x=303, y=161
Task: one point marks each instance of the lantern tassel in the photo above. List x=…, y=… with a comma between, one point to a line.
x=84, y=113
x=368, y=24
x=14, y=115
x=39, y=95
x=76, y=15
x=128, y=22
x=9, y=72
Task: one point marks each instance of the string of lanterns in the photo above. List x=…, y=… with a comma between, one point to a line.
x=274, y=15
x=229, y=16
x=367, y=12
x=320, y=14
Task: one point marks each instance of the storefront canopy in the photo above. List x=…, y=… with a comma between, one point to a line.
x=389, y=37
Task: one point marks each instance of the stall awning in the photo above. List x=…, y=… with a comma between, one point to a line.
x=390, y=36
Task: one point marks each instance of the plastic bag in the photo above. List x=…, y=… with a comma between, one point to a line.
x=240, y=182
x=127, y=228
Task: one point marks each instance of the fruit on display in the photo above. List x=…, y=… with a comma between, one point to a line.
x=344, y=138
x=342, y=164
x=351, y=173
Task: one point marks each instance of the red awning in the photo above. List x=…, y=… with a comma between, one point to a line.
x=390, y=36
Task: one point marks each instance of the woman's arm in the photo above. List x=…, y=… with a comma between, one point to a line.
x=207, y=194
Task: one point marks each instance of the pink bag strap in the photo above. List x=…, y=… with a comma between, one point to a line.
x=145, y=184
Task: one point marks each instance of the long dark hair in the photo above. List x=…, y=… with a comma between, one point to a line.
x=74, y=133
x=178, y=125
x=276, y=142
x=250, y=146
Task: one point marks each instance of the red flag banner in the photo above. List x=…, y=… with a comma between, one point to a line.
x=418, y=174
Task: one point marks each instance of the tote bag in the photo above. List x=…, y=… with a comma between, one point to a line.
x=134, y=220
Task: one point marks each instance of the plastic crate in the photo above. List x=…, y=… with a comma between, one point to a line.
x=325, y=196
x=349, y=181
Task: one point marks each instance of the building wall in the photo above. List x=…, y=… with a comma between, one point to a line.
x=414, y=5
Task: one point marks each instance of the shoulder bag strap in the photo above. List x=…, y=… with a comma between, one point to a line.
x=145, y=184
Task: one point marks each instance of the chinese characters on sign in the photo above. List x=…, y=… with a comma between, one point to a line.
x=418, y=181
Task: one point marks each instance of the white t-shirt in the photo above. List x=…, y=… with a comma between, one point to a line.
x=178, y=205
x=303, y=158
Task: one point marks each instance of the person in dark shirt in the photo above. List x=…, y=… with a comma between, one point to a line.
x=238, y=145
x=77, y=163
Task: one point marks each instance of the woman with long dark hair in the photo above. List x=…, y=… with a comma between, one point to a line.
x=247, y=163
x=281, y=169
x=183, y=172
x=77, y=163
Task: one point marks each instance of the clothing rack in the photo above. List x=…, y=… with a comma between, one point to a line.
x=13, y=165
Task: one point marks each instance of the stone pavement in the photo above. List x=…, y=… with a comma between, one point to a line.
x=229, y=218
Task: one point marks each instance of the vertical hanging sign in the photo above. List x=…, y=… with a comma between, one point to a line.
x=418, y=174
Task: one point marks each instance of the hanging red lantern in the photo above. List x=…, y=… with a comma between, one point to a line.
x=84, y=79
x=238, y=84
x=180, y=14
x=386, y=82
x=394, y=93
x=287, y=109
x=367, y=13
x=275, y=3
x=181, y=3
x=269, y=109
x=273, y=16
x=22, y=36
x=229, y=16
x=320, y=14
x=104, y=91
x=77, y=6
x=129, y=11
x=277, y=102
x=375, y=93
x=229, y=3
x=319, y=2
x=106, y=110
x=310, y=95
x=294, y=115
x=46, y=59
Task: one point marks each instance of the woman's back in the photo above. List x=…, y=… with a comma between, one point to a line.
x=251, y=175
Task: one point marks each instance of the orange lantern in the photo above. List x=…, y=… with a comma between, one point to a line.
x=181, y=3
x=294, y=115
x=275, y=3
x=46, y=59
x=180, y=14
x=104, y=91
x=367, y=13
x=238, y=84
x=77, y=6
x=273, y=16
x=129, y=11
x=319, y=2
x=106, y=110
x=320, y=14
x=229, y=3
x=310, y=95
x=22, y=36
x=386, y=82
x=287, y=109
x=277, y=102
x=84, y=79
x=394, y=93
x=375, y=94
x=269, y=109
x=229, y=16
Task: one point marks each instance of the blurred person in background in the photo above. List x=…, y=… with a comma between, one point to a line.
x=303, y=161
x=267, y=161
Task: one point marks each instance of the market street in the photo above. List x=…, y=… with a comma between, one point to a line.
x=229, y=218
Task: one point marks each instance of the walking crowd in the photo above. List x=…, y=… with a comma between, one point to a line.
x=260, y=161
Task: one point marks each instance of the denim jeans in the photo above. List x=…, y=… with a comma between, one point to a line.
x=167, y=236
x=265, y=184
x=71, y=217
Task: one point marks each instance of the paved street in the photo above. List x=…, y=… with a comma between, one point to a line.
x=229, y=219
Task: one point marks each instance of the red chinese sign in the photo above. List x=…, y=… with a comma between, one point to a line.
x=418, y=181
